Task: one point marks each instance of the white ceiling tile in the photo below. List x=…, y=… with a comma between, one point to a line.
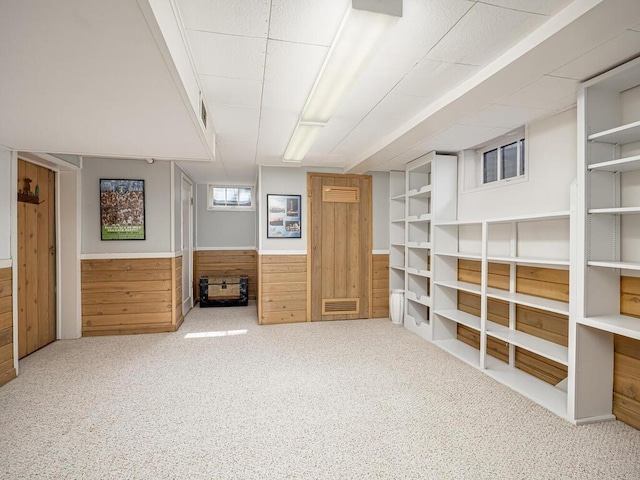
x=291, y=70
x=276, y=127
x=461, y=137
x=333, y=133
x=231, y=91
x=544, y=7
x=483, y=34
x=548, y=92
x=227, y=55
x=505, y=116
x=602, y=58
x=396, y=107
x=206, y=172
x=306, y=21
x=241, y=174
x=234, y=124
x=237, y=17
x=433, y=79
x=236, y=153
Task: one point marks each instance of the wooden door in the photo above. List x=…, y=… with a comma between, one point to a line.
x=339, y=246
x=36, y=258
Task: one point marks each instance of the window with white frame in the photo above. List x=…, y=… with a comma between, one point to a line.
x=503, y=160
x=222, y=197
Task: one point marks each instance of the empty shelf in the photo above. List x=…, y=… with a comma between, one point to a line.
x=396, y=267
x=419, y=218
x=421, y=273
x=532, y=261
x=419, y=244
x=463, y=318
x=465, y=256
x=535, y=217
x=422, y=299
x=623, y=134
x=615, y=210
x=550, y=350
x=458, y=285
x=614, y=264
x=626, y=164
x=419, y=192
x=460, y=350
x=618, y=324
x=529, y=300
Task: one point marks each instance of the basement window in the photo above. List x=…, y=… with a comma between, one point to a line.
x=503, y=160
x=230, y=198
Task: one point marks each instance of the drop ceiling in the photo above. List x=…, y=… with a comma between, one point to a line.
x=450, y=75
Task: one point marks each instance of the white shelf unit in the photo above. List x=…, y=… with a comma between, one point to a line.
x=609, y=244
x=540, y=240
x=397, y=236
x=417, y=197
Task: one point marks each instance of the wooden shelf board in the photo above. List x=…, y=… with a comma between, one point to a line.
x=618, y=324
x=419, y=245
x=422, y=299
x=463, y=318
x=544, y=394
x=626, y=164
x=623, y=134
x=550, y=350
x=612, y=264
x=464, y=286
x=465, y=256
x=532, y=261
x=529, y=300
x=460, y=350
x=615, y=210
x=535, y=217
x=420, y=273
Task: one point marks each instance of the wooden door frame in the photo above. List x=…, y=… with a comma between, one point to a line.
x=309, y=226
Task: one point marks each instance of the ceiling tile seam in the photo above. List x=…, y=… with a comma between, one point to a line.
x=225, y=34
x=514, y=9
x=408, y=72
x=298, y=43
x=264, y=72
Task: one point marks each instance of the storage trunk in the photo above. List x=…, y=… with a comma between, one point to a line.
x=224, y=291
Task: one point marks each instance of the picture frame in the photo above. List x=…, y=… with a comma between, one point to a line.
x=284, y=216
x=122, y=209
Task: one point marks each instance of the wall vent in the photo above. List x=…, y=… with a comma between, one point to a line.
x=332, y=193
x=340, y=306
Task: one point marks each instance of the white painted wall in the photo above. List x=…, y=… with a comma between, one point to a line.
x=551, y=166
x=223, y=229
x=5, y=204
x=157, y=177
x=380, y=181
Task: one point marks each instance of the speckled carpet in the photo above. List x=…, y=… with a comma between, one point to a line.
x=223, y=398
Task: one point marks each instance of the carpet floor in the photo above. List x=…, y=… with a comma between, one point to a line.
x=224, y=398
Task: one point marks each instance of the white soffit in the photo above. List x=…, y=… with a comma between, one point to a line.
x=544, y=7
x=228, y=55
x=248, y=18
x=481, y=34
x=617, y=50
x=432, y=79
x=307, y=21
x=461, y=137
x=552, y=93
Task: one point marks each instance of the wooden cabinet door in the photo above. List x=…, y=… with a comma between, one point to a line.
x=36, y=258
x=340, y=230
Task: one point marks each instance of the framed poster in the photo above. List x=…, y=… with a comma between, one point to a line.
x=283, y=216
x=122, y=209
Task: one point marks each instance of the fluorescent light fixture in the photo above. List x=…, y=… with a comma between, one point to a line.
x=359, y=34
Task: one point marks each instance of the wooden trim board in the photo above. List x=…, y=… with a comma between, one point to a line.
x=7, y=370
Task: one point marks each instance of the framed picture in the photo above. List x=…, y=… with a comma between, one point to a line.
x=122, y=209
x=284, y=216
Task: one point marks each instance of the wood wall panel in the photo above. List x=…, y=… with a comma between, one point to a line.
x=7, y=370
x=542, y=282
x=626, y=363
x=283, y=289
x=226, y=263
x=126, y=296
x=380, y=296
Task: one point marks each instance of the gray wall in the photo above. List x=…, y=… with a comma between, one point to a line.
x=157, y=177
x=380, y=189
x=5, y=204
x=223, y=229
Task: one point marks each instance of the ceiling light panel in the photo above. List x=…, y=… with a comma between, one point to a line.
x=301, y=141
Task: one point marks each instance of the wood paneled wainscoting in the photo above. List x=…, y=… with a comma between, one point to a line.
x=127, y=296
x=542, y=282
x=226, y=263
x=626, y=364
x=283, y=289
x=380, y=297
x=7, y=370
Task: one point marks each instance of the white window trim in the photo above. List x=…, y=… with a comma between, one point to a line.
x=212, y=207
